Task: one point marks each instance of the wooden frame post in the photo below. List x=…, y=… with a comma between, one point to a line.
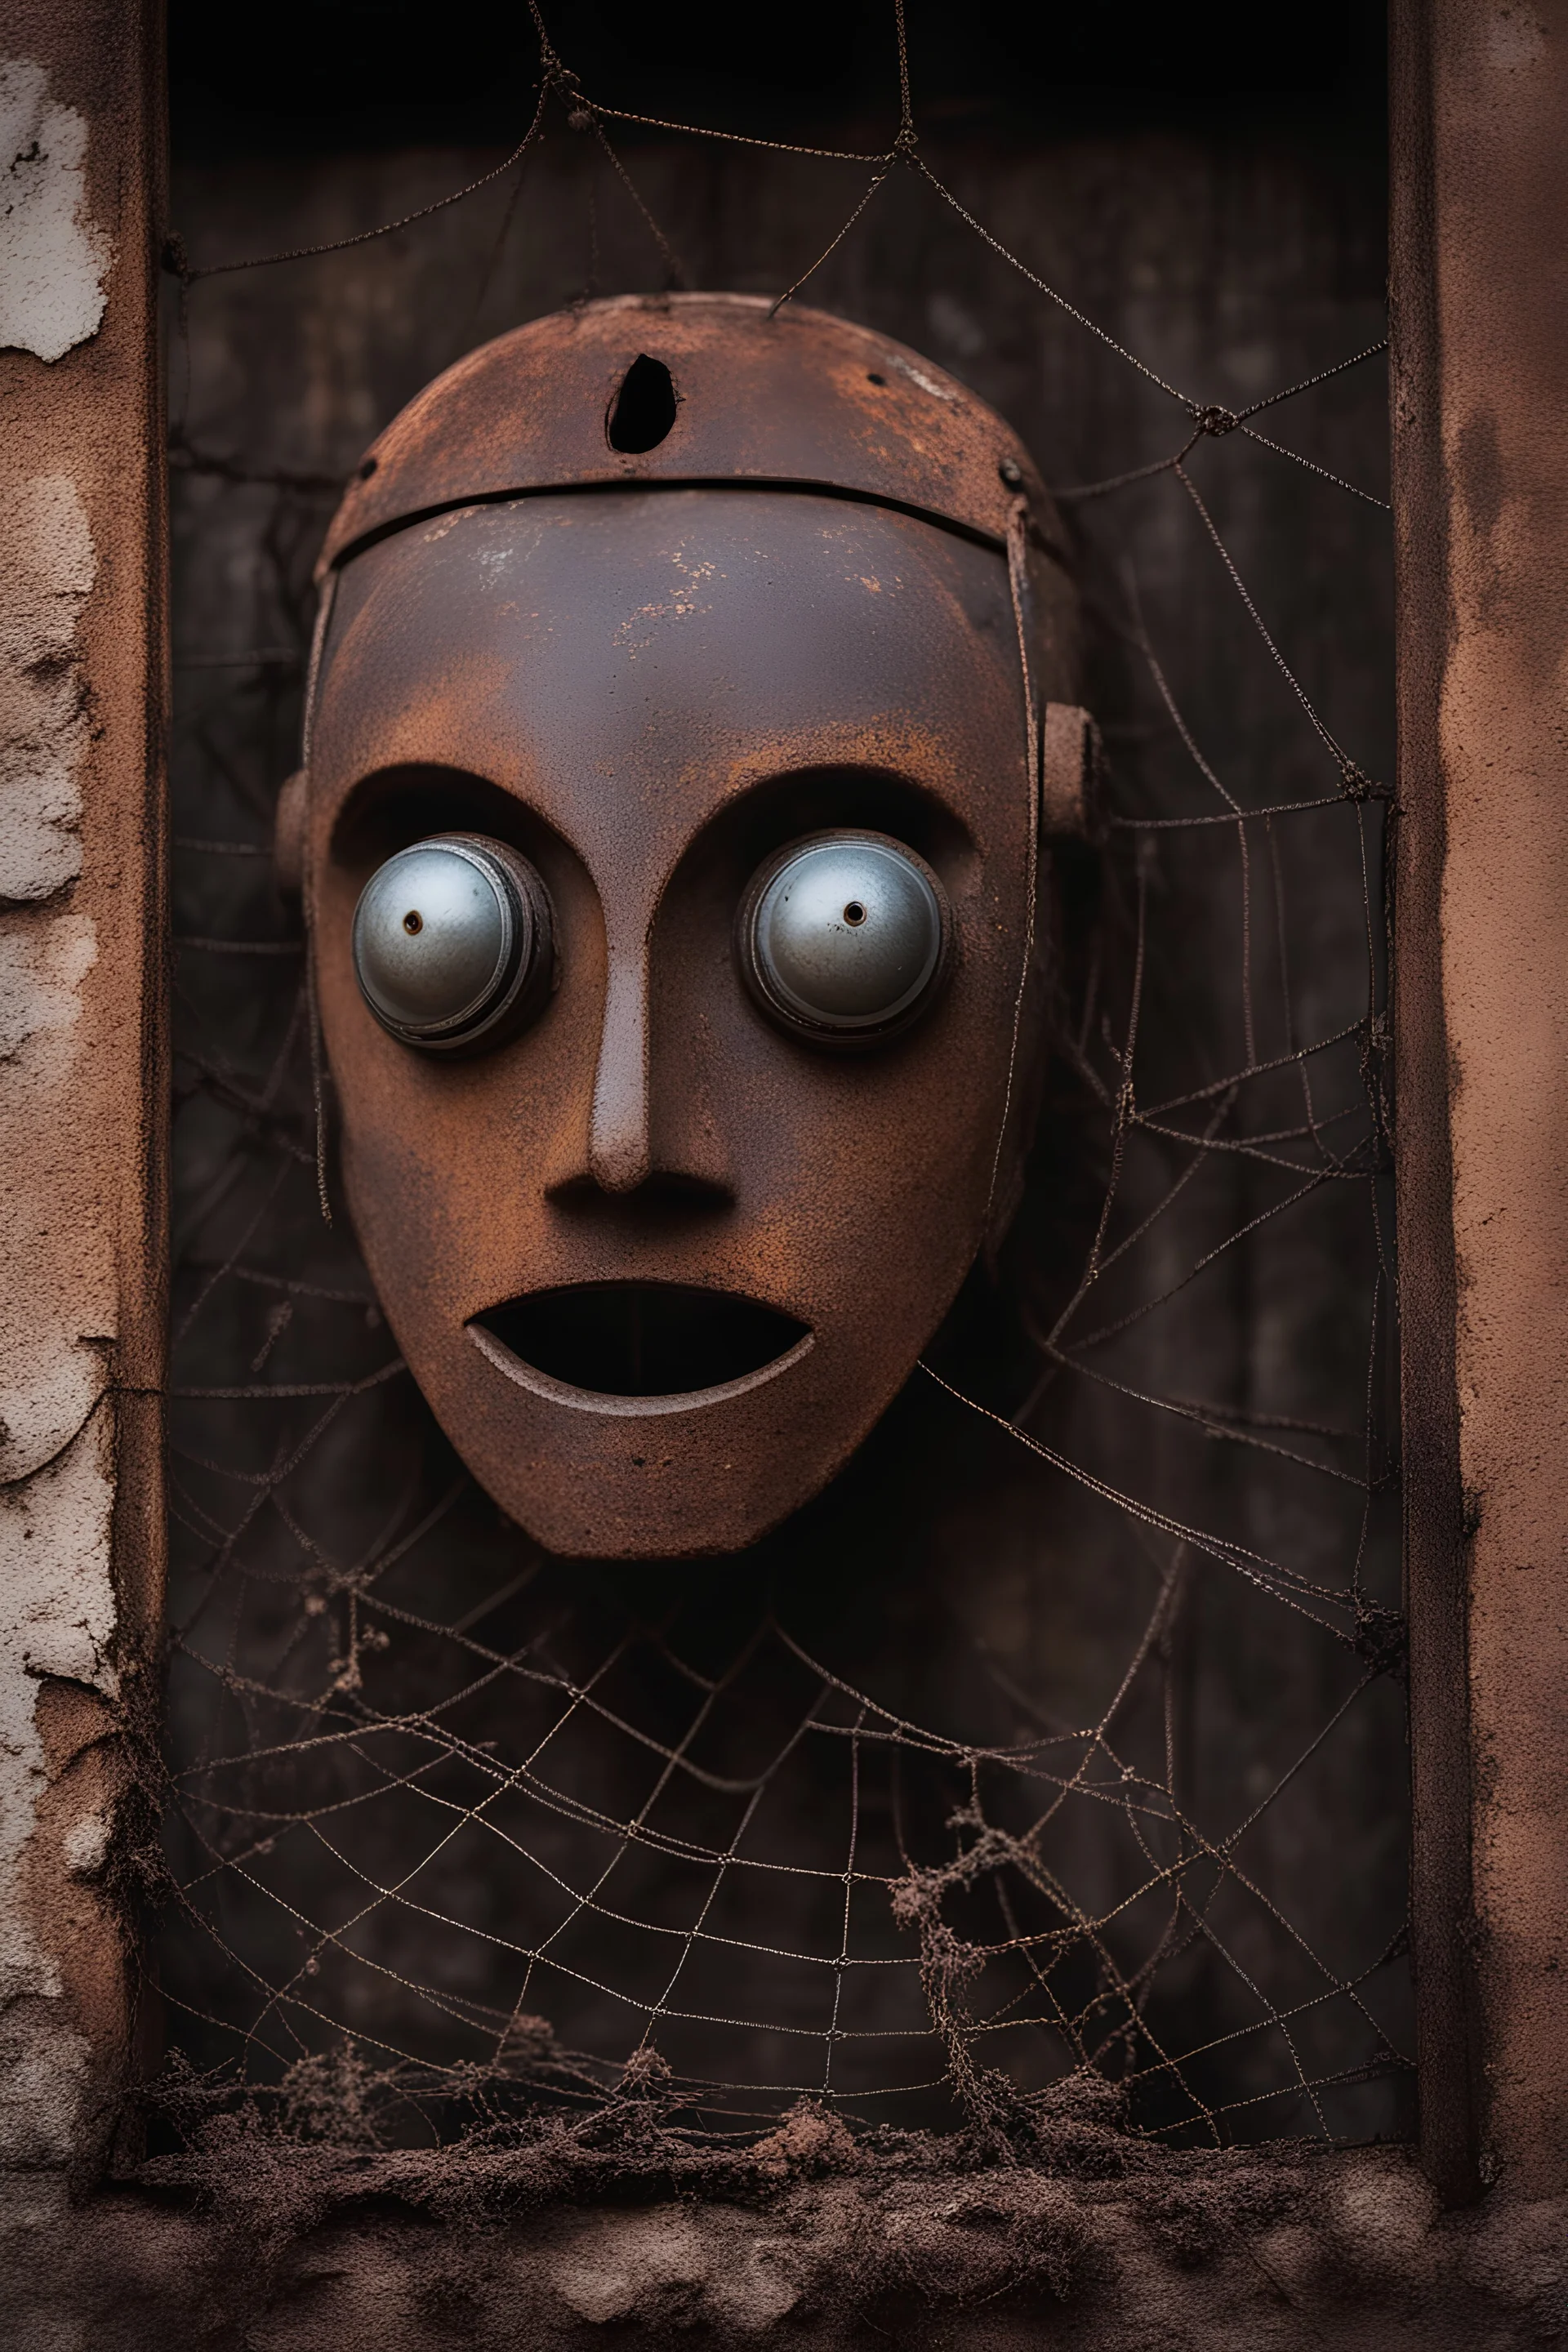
x=1480, y=354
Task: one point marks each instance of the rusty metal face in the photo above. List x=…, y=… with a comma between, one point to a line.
x=745, y=769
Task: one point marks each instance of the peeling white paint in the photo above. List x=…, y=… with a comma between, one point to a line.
x=53, y=257
x=46, y=569
x=59, y=1302
x=56, y=1617
x=42, y=966
x=84, y=1849
x=55, y=1332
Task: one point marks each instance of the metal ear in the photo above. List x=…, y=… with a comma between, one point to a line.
x=289, y=835
x=1071, y=768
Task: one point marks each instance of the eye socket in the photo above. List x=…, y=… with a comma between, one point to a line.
x=843, y=938
x=453, y=943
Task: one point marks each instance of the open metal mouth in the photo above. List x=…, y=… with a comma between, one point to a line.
x=658, y=1340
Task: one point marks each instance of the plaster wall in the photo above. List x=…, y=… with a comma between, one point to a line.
x=1499, y=96
x=81, y=1197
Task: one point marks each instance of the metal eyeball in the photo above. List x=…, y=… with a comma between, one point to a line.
x=843, y=938
x=453, y=943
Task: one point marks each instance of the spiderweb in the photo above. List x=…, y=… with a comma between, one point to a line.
x=1062, y=1740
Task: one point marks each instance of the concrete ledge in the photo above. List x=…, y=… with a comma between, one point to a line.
x=1239, y=2253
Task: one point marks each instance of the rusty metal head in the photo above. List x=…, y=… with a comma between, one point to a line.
x=679, y=1095
x=707, y=389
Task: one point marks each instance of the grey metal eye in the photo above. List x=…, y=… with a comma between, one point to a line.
x=843, y=938
x=452, y=943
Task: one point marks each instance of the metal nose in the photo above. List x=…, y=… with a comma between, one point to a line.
x=619, y=1146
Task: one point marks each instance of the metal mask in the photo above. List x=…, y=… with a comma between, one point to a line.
x=693, y=703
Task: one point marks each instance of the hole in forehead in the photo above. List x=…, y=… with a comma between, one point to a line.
x=643, y=412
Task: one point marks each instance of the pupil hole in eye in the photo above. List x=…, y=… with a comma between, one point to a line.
x=414, y=921
x=854, y=913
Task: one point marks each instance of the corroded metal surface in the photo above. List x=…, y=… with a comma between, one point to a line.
x=801, y=399
x=660, y=1261
x=648, y=696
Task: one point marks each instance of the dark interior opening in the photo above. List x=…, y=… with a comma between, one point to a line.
x=644, y=405
x=642, y=1338
x=307, y=75
x=978, y=1597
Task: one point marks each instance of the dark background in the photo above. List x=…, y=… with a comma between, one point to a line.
x=326, y=74
x=1209, y=188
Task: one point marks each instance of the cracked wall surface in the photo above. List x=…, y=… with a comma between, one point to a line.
x=80, y=672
